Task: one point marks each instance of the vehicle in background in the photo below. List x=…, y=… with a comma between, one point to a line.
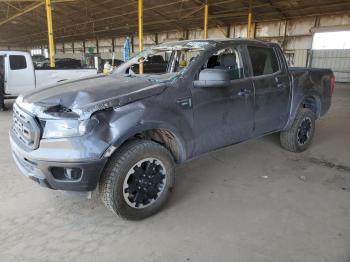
x=19, y=74
x=117, y=62
x=38, y=58
x=63, y=63
x=42, y=63
x=154, y=64
x=125, y=131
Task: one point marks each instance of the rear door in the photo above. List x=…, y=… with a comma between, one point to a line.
x=272, y=88
x=223, y=115
x=19, y=74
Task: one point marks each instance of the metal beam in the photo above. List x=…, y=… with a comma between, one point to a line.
x=140, y=36
x=279, y=10
x=228, y=31
x=50, y=32
x=218, y=22
x=24, y=11
x=36, y=1
x=229, y=13
x=27, y=9
x=14, y=7
x=113, y=44
x=249, y=19
x=93, y=21
x=206, y=19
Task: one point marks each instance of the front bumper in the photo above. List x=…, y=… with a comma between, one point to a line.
x=42, y=171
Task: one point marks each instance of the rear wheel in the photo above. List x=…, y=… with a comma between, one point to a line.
x=299, y=136
x=137, y=180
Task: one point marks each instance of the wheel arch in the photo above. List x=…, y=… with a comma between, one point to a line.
x=311, y=101
x=163, y=134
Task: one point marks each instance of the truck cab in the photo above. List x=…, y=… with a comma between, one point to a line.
x=18, y=72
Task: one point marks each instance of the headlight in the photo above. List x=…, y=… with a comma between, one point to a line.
x=68, y=128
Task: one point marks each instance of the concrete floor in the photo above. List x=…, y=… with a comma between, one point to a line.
x=249, y=202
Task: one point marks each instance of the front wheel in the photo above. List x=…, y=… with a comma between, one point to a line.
x=299, y=136
x=138, y=179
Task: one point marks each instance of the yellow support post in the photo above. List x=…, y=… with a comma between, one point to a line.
x=249, y=19
x=206, y=19
x=140, y=13
x=50, y=31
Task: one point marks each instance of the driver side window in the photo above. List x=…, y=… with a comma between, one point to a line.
x=227, y=59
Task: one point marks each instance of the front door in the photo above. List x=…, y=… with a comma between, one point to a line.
x=223, y=115
x=272, y=89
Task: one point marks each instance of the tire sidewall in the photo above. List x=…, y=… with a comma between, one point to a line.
x=304, y=113
x=119, y=202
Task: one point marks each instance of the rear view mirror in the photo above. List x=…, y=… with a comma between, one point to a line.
x=213, y=78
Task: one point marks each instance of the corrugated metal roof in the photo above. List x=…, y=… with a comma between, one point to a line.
x=83, y=19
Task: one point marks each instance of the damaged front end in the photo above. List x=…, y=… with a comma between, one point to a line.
x=80, y=99
x=60, y=134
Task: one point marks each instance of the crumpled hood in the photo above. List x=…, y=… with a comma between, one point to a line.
x=85, y=96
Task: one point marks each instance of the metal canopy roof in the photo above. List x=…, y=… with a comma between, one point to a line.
x=23, y=22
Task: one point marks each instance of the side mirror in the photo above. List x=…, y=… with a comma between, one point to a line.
x=213, y=78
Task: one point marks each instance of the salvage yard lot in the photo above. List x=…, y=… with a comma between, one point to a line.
x=249, y=202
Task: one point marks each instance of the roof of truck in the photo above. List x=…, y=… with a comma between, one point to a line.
x=10, y=52
x=215, y=41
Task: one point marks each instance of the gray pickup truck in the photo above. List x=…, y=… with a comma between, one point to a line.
x=126, y=131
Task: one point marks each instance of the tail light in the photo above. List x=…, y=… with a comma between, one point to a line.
x=332, y=84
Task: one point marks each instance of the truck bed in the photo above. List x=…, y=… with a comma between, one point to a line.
x=315, y=83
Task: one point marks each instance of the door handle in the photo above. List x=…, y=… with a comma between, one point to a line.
x=185, y=103
x=244, y=92
x=281, y=85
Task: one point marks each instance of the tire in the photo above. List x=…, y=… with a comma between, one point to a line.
x=130, y=171
x=297, y=139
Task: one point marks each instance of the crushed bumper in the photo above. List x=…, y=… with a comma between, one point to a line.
x=46, y=173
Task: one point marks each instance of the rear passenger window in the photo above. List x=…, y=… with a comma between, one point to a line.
x=17, y=62
x=263, y=59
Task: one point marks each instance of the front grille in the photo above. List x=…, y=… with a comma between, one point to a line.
x=25, y=128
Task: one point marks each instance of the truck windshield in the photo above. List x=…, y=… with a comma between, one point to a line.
x=165, y=61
